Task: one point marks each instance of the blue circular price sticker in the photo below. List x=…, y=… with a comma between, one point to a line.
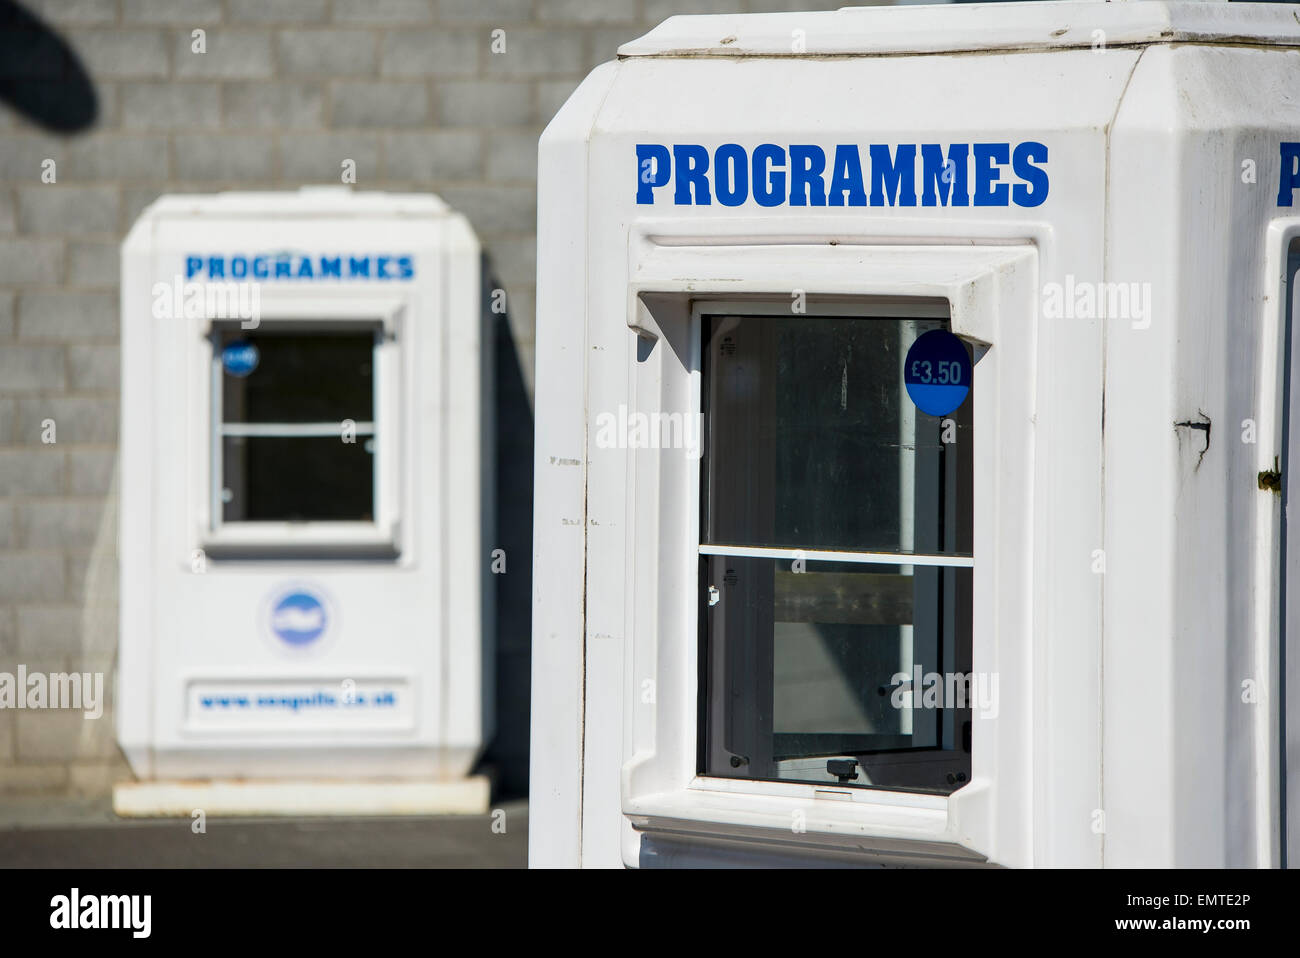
x=937, y=372
x=240, y=358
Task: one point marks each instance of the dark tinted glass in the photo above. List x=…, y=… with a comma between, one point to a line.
x=812, y=443
x=810, y=431
x=317, y=376
x=290, y=478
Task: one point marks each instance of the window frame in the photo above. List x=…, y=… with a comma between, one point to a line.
x=323, y=539
x=1275, y=644
x=992, y=289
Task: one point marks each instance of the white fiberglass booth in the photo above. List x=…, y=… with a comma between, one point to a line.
x=912, y=385
x=305, y=417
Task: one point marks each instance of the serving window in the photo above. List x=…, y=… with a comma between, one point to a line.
x=835, y=557
x=297, y=453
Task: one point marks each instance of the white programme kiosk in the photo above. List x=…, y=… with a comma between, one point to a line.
x=305, y=506
x=910, y=383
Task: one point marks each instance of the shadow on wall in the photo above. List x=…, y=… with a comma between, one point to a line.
x=508, y=751
x=40, y=77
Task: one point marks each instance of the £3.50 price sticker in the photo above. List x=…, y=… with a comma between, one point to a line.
x=937, y=372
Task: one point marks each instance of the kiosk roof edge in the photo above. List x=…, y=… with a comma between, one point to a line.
x=975, y=27
x=310, y=201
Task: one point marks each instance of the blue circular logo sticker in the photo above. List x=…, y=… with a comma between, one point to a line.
x=240, y=358
x=298, y=617
x=937, y=372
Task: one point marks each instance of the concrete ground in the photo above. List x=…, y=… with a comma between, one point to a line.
x=46, y=833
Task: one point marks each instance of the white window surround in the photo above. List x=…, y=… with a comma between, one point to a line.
x=991, y=292
x=328, y=539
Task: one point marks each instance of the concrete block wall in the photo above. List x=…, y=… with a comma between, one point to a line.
x=285, y=91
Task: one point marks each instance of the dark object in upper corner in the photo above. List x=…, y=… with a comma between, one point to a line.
x=41, y=77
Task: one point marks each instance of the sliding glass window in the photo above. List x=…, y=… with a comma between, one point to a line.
x=835, y=558
x=294, y=422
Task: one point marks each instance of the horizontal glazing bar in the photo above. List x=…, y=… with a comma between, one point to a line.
x=282, y=429
x=876, y=558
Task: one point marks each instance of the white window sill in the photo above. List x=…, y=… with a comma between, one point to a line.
x=254, y=539
x=813, y=816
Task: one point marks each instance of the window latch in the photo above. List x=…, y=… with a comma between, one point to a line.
x=845, y=769
x=1271, y=479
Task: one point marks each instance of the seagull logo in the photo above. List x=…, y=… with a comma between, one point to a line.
x=299, y=618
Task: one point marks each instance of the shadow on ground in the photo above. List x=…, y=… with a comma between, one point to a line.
x=92, y=837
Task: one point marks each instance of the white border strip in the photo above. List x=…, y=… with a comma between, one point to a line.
x=877, y=558
x=281, y=430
